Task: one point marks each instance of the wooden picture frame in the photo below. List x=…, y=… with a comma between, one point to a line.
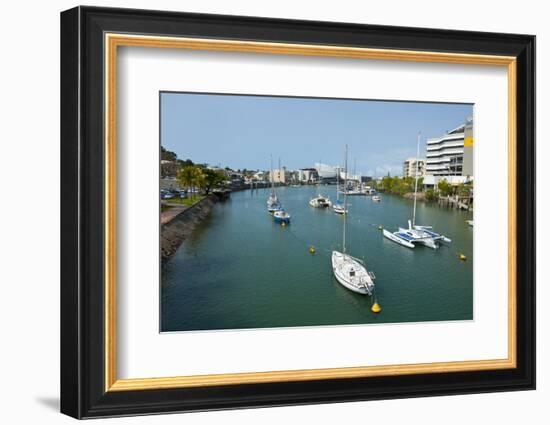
x=90, y=38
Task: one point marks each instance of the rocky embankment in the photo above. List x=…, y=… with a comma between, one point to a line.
x=420, y=196
x=176, y=226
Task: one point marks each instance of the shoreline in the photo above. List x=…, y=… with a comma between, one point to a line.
x=178, y=223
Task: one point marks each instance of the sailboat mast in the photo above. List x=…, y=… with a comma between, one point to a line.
x=272, y=177
x=345, y=202
x=416, y=176
x=338, y=183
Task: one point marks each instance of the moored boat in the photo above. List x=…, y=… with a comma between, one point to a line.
x=351, y=272
x=281, y=216
x=320, y=201
x=416, y=234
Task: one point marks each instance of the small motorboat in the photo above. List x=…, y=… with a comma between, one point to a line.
x=376, y=198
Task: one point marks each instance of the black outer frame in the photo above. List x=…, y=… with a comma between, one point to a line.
x=82, y=206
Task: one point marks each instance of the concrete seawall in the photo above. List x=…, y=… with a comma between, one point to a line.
x=180, y=225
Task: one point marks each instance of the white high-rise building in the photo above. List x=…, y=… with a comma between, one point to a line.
x=445, y=154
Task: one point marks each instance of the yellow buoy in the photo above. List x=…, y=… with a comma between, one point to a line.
x=376, y=308
x=283, y=224
x=380, y=227
x=312, y=250
x=462, y=257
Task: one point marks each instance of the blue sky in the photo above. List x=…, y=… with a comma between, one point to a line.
x=243, y=131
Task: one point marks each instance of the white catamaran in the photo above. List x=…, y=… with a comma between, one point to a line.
x=351, y=272
x=320, y=201
x=416, y=234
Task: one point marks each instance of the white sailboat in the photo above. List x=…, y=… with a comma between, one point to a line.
x=416, y=234
x=273, y=203
x=350, y=272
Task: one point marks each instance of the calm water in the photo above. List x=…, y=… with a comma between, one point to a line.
x=241, y=270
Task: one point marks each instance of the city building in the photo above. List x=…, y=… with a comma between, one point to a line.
x=326, y=172
x=468, y=159
x=410, y=164
x=445, y=155
x=308, y=175
x=281, y=175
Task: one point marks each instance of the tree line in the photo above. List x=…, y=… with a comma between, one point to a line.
x=402, y=185
x=190, y=175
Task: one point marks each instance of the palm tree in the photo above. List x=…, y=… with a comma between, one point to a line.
x=191, y=177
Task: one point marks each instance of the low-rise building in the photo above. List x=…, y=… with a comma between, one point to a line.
x=281, y=175
x=410, y=166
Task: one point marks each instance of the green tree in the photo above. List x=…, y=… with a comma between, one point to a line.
x=212, y=179
x=431, y=195
x=191, y=177
x=185, y=163
x=167, y=155
x=464, y=189
x=445, y=188
x=387, y=183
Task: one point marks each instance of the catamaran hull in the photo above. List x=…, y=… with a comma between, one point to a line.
x=428, y=241
x=397, y=239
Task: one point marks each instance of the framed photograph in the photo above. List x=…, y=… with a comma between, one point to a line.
x=261, y=212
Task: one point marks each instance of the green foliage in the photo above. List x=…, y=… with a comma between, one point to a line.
x=186, y=163
x=445, y=188
x=431, y=195
x=185, y=201
x=212, y=179
x=464, y=189
x=191, y=176
x=400, y=185
x=167, y=155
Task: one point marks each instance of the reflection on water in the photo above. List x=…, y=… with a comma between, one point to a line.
x=241, y=270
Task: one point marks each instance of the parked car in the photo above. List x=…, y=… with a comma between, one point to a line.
x=166, y=195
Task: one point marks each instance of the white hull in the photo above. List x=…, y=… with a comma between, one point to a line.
x=351, y=274
x=320, y=202
x=339, y=209
x=397, y=239
x=418, y=236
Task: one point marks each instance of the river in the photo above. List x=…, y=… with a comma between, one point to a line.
x=240, y=270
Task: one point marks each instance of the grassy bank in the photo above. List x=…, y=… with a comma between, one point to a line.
x=185, y=201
